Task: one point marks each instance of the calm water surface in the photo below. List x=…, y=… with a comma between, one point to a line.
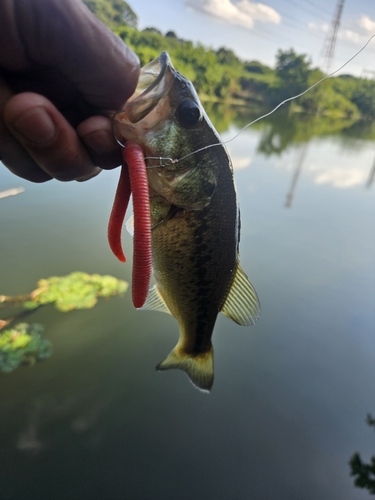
x=291, y=394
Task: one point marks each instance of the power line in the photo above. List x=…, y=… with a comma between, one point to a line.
x=317, y=7
x=322, y=17
x=298, y=6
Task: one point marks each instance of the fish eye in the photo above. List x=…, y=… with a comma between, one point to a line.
x=188, y=113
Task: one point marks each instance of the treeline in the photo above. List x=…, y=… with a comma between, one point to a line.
x=221, y=75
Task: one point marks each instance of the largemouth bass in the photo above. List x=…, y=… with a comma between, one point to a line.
x=194, y=216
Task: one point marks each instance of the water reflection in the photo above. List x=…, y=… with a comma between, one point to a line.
x=34, y=436
x=296, y=174
x=287, y=409
x=364, y=473
x=284, y=131
x=289, y=128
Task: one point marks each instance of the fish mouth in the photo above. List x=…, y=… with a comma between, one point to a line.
x=151, y=78
x=155, y=81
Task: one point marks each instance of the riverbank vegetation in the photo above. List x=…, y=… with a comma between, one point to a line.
x=219, y=75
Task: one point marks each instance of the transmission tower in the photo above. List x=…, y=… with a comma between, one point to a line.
x=330, y=40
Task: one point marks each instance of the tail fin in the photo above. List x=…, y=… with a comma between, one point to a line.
x=199, y=368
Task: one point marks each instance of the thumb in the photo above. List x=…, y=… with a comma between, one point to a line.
x=67, y=36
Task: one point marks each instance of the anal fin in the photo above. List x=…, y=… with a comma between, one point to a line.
x=242, y=303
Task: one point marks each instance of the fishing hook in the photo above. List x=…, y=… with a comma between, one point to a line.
x=170, y=161
x=113, y=128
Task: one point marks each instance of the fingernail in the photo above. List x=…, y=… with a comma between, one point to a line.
x=100, y=141
x=36, y=127
x=92, y=174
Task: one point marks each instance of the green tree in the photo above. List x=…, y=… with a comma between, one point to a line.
x=221, y=75
x=150, y=29
x=363, y=97
x=293, y=72
x=227, y=57
x=113, y=13
x=171, y=34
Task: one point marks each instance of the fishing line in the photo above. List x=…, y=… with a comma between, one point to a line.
x=172, y=161
x=279, y=105
x=163, y=162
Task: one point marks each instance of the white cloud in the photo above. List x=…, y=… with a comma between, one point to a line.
x=367, y=24
x=344, y=176
x=242, y=13
x=239, y=162
x=352, y=36
x=358, y=31
x=318, y=27
x=326, y=164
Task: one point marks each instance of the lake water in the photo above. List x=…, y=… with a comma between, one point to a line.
x=291, y=394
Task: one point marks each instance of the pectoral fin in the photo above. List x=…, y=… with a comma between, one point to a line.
x=155, y=302
x=204, y=182
x=242, y=303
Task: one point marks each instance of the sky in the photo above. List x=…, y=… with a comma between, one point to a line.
x=256, y=30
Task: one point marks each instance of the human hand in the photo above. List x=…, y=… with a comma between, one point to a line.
x=61, y=70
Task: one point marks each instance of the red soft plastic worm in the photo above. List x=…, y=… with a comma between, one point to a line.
x=142, y=258
x=116, y=218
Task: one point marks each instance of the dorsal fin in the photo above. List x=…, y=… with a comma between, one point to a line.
x=242, y=303
x=155, y=301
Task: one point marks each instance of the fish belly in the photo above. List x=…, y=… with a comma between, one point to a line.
x=194, y=258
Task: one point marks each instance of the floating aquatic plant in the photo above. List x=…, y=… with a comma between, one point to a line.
x=22, y=345
x=75, y=291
